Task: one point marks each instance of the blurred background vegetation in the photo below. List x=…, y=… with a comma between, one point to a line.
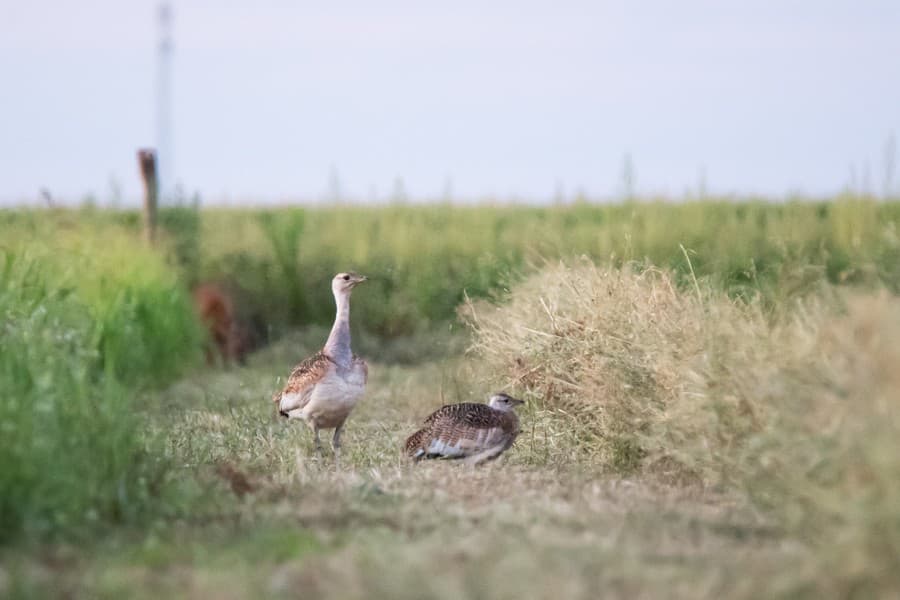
x=423, y=259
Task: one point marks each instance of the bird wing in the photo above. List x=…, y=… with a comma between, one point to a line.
x=460, y=430
x=468, y=413
x=415, y=444
x=302, y=381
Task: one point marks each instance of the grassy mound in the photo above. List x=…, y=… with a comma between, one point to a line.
x=608, y=349
x=800, y=408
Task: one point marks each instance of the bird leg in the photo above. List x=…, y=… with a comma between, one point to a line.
x=318, y=442
x=336, y=443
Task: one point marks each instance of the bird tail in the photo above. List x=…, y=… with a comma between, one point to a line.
x=415, y=447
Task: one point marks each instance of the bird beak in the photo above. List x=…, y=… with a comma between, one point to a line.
x=516, y=401
x=360, y=280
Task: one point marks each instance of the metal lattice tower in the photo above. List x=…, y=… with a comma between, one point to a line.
x=164, y=142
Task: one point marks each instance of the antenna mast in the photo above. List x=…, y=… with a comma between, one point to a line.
x=164, y=146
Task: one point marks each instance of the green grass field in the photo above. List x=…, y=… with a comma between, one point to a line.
x=713, y=404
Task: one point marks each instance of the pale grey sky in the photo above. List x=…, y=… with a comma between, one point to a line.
x=504, y=99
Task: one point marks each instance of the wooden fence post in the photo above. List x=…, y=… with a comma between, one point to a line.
x=147, y=162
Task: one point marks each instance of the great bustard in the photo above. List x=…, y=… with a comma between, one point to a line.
x=324, y=388
x=473, y=432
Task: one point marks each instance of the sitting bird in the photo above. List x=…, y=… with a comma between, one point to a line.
x=472, y=432
x=324, y=388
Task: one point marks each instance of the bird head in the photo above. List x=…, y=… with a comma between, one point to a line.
x=503, y=401
x=344, y=282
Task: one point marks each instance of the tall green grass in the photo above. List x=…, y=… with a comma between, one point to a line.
x=423, y=259
x=86, y=324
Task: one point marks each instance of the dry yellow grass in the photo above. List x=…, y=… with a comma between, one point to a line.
x=612, y=350
x=798, y=408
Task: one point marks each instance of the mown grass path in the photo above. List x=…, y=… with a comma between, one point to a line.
x=275, y=523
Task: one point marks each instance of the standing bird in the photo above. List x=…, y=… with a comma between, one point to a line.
x=324, y=388
x=473, y=432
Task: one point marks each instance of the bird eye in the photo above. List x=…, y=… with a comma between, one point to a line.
x=346, y=278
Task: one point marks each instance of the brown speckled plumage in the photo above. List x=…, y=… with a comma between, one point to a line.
x=305, y=376
x=476, y=432
x=311, y=370
x=308, y=373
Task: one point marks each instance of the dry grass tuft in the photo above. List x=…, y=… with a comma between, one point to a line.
x=826, y=460
x=611, y=350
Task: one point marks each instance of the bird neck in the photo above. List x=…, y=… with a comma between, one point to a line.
x=338, y=344
x=512, y=420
